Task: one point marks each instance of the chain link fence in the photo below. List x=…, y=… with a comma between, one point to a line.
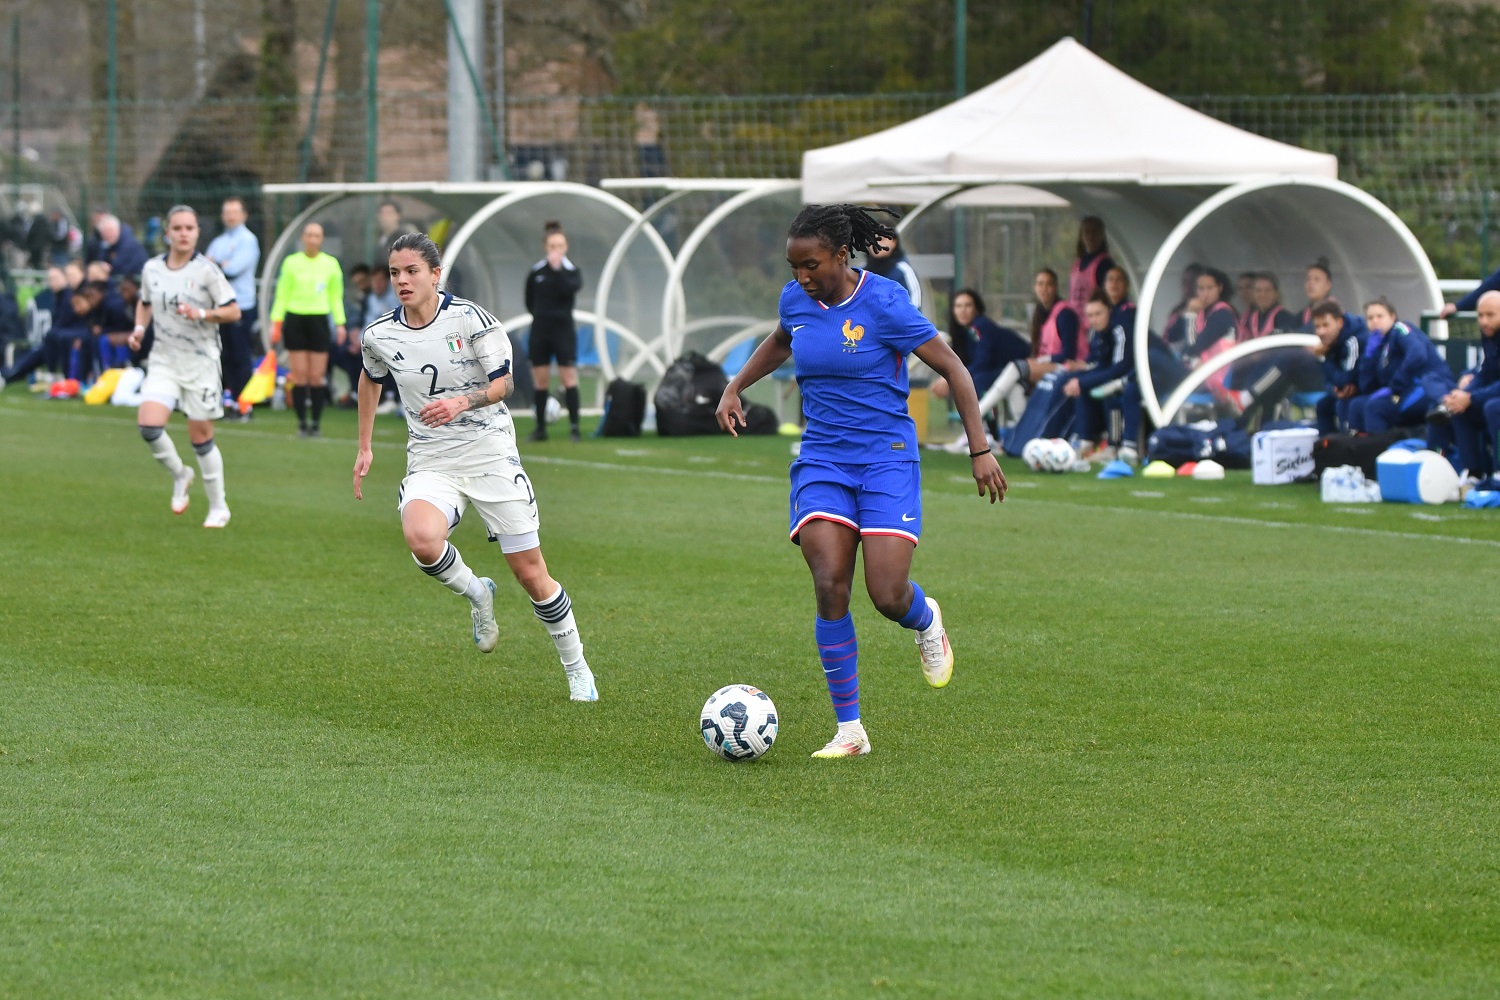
x=1432, y=158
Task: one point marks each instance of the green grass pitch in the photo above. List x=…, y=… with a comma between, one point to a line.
x=1203, y=739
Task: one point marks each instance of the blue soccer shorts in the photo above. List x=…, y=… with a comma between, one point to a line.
x=883, y=498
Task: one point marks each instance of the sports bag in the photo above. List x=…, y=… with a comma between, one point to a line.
x=1360, y=450
x=1223, y=441
x=688, y=395
x=624, y=409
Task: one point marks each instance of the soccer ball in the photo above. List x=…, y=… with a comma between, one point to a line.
x=554, y=408
x=739, y=722
x=1058, y=455
x=1034, y=454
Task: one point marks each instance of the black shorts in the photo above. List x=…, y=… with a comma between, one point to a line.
x=549, y=342
x=301, y=332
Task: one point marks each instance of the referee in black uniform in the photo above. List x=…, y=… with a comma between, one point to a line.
x=551, y=289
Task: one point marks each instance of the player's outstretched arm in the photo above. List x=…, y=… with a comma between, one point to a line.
x=369, y=398
x=987, y=475
x=769, y=356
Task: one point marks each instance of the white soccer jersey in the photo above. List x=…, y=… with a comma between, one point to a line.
x=182, y=342
x=463, y=349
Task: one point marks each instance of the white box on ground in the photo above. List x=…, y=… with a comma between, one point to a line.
x=1282, y=456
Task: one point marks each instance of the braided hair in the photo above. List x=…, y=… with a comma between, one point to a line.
x=838, y=226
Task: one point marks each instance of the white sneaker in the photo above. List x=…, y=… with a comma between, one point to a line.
x=937, y=653
x=1129, y=454
x=180, y=484
x=218, y=517
x=486, y=629
x=387, y=407
x=850, y=741
x=581, y=685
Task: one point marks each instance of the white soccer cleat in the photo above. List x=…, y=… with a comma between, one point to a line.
x=486, y=629
x=581, y=683
x=937, y=653
x=180, y=485
x=849, y=741
x=218, y=517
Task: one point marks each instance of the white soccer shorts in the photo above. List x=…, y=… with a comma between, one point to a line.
x=505, y=502
x=196, y=389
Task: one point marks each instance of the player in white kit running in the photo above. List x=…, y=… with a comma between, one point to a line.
x=451, y=360
x=188, y=297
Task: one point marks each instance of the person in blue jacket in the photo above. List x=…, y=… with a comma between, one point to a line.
x=1341, y=344
x=1110, y=364
x=1474, y=407
x=1410, y=377
x=1470, y=302
x=988, y=348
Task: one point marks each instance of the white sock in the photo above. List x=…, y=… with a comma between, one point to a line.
x=452, y=572
x=1009, y=377
x=165, y=452
x=211, y=464
x=853, y=727
x=556, y=613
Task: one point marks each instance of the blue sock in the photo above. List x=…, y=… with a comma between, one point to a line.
x=839, y=651
x=919, y=615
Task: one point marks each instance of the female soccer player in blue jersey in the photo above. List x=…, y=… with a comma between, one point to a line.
x=858, y=479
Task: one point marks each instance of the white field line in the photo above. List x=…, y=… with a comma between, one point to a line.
x=535, y=459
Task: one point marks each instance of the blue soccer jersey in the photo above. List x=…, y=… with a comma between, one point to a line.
x=850, y=361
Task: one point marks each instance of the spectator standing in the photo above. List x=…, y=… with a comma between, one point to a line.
x=237, y=252
x=551, y=289
x=1091, y=265
x=388, y=220
x=309, y=310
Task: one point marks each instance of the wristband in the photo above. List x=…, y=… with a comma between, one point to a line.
x=202, y=314
x=139, y=329
x=976, y=454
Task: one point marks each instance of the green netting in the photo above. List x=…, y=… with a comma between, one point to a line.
x=1433, y=159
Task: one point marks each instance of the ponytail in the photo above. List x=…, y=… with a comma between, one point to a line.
x=843, y=226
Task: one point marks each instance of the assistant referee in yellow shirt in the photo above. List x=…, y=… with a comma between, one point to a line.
x=308, y=309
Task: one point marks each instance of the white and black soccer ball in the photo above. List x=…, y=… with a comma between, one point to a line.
x=739, y=722
x=1034, y=454
x=554, y=408
x=1058, y=455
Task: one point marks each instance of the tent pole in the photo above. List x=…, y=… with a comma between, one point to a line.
x=960, y=87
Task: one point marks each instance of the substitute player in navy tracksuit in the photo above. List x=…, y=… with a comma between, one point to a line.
x=1474, y=407
x=1341, y=345
x=1411, y=375
x=1110, y=361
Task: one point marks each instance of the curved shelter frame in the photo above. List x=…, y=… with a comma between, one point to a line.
x=490, y=235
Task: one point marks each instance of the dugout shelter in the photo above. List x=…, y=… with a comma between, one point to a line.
x=1173, y=186
x=491, y=235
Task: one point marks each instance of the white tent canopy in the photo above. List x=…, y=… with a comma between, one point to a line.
x=1066, y=117
x=1172, y=185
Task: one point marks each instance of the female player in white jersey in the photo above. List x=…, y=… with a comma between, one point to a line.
x=451, y=360
x=188, y=296
x=857, y=480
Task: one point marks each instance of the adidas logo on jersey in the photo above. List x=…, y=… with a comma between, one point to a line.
x=398, y=357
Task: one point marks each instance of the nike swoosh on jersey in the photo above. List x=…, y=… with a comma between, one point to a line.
x=906, y=518
x=797, y=327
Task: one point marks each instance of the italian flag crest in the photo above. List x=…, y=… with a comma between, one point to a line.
x=455, y=344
